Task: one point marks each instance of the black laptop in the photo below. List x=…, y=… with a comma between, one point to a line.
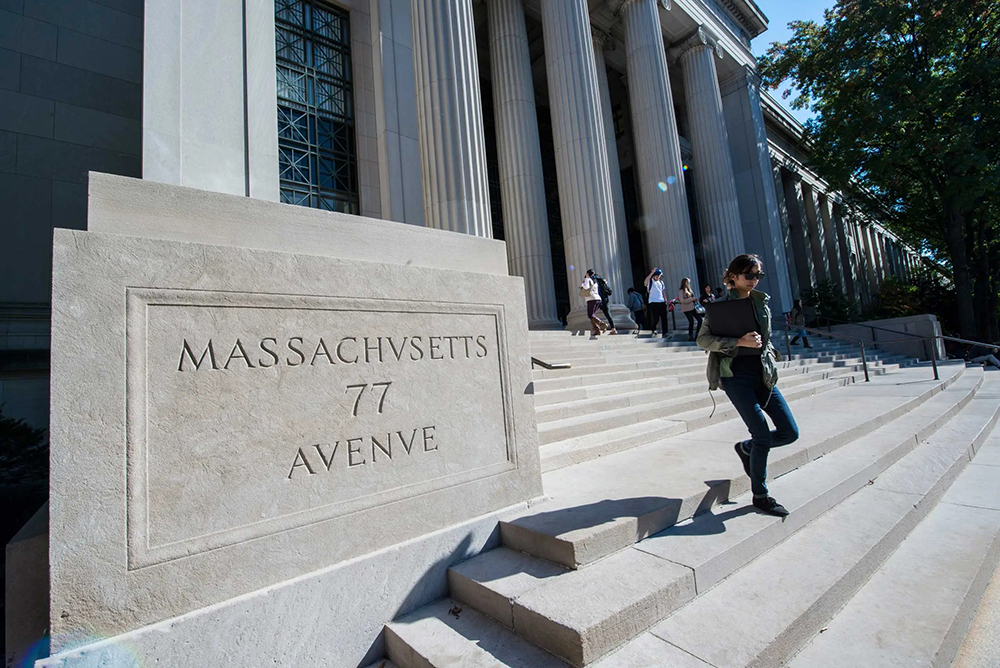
x=733, y=317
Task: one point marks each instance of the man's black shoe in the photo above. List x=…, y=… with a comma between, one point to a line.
x=744, y=457
x=769, y=506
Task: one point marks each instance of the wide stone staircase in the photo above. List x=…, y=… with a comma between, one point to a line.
x=647, y=552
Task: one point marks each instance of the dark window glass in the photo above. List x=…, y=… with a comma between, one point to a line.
x=317, y=162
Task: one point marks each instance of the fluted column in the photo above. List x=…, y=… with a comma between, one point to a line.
x=666, y=221
x=840, y=225
x=585, y=202
x=714, y=181
x=830, y=244
x=450, y=117
x=522, y=187
x=602, y=41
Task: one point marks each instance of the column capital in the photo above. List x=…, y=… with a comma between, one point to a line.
x=618, y=6
x=701, y=38
x=602, y=40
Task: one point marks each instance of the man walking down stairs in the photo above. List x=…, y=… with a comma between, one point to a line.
x=646, y=551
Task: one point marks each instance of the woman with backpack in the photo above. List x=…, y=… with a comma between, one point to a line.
x=746, y=369
x=590, y=291
x=689, y=306
x=604, y=290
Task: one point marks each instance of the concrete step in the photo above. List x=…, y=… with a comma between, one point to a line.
x=552, y=427
x=607, y=389
x=667, y=398
x=582, y=615
x=584, y=448
x=600, y=506
x=447, y=634
x=762, y=614
x=917, y=609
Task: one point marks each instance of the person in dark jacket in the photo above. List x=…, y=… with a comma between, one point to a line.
x=635, y=305
x=750, y=379
x=604, y=290
x=798, y=322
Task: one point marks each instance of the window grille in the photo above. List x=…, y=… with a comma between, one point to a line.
x=317, y=161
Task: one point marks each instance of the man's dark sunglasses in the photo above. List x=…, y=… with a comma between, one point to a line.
x=751, y=276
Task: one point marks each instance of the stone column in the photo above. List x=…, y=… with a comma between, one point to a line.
x=830, y=244
x=760, y=201
x=715, y=184
x=602, y=41
x=522, y=187
x=840, y=227
x=791, y=268
x=871, y=255
x=660, y=168
x=798, y=230
x=585, y=201
x=815, y=231
x=450, y=117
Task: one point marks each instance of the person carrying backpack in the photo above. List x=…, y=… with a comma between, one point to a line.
x=589, y=290
x=635, y=305
x=604, y=290
x=657, y=301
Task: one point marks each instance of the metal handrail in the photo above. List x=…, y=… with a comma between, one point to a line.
x=859, y=342
x=550, y=365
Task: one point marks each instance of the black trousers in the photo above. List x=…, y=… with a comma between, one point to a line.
x=692, y=331
x=639, y=320
x=607, y=313
x=657, y=311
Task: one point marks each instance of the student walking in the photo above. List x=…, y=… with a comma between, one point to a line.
x=590, y=292
x=749, y=378
x=706, y=296
x=799, y=321
x=604, y=290
x=689, y=303
x=635, y=305
x=657, y=301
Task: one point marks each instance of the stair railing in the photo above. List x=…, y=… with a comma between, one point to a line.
x=549, y=365
x=841, y=337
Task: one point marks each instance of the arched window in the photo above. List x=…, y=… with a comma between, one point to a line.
x=317, y=161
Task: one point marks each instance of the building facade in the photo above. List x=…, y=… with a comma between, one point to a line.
x=618, y=135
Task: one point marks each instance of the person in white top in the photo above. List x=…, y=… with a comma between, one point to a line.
x=657, y=301
x=590, y=292
x=688, y=300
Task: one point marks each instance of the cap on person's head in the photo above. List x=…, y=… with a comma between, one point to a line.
x=657, y=272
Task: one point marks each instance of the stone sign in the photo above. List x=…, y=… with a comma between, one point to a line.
x=227, y=418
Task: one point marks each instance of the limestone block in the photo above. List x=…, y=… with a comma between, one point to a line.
x=226, y=418
x=129, y=206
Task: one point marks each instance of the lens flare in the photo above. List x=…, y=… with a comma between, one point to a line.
x=571, y=267
x=662, y=186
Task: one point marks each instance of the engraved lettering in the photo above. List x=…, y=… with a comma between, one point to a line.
x=467, y=340
x=398, y=354
x=387, y=449
x=480, y=342
x=385, y=389
x=413, y=344
x=351, y=451
x=327, y=462
x=361, y=390
x=435, y=346
x=451, y=345
x=302, y=358
x=300, y=460
x=428, y=438
x=407, y=446
x=321, y=350
x=241, y=355
x=274, y=355
x=186, y=351
x=370, y=348
x=340, y=355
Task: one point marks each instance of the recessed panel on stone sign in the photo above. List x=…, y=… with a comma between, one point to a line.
x=226, y=418
x=251, y=414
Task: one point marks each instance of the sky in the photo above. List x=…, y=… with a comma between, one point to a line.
x=779, y=13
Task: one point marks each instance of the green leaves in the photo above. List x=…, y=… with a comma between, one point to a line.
x=907, y=102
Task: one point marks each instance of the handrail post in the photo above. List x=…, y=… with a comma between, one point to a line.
x=934, y=357
x=864, y=362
